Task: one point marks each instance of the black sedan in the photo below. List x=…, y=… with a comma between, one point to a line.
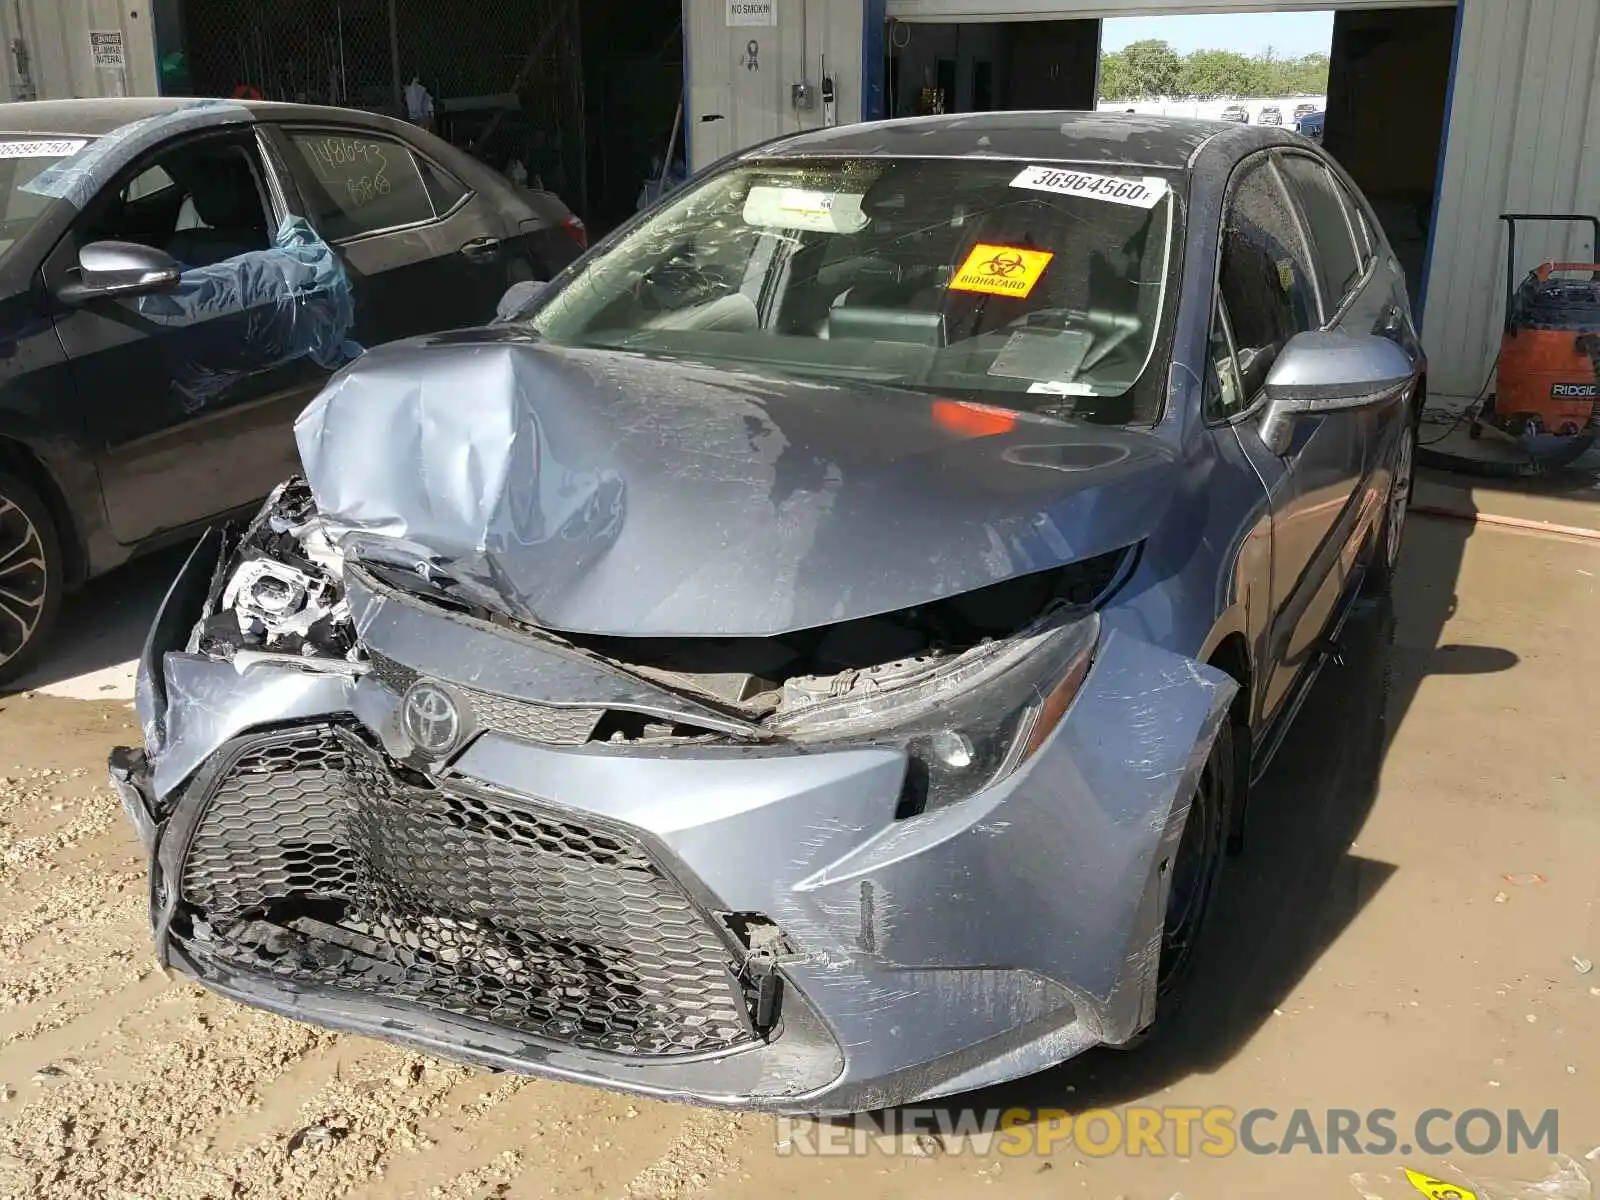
x=179, y=277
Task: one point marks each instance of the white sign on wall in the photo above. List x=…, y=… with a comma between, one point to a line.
x=752, y=12
x=106, y=48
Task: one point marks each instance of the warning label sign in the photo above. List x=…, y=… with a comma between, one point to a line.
x=1001, y=270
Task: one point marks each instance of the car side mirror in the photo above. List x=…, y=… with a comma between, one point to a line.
x=120, y=269
x=1319, y=373
x=518, y=299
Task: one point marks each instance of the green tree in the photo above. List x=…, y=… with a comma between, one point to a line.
x=1115, y=81
x=1207, y=73
x=1153, y=67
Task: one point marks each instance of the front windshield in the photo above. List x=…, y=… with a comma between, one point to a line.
x=1029, y=286
x=22, y=160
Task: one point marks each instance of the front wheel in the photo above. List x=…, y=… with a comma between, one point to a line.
x=1196, y=869
x=31, y=576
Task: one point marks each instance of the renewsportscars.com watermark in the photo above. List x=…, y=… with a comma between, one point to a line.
x=1175, y=1131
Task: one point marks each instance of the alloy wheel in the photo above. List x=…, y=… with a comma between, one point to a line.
x=24, y=579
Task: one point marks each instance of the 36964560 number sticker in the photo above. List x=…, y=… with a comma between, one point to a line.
x=1137, y=192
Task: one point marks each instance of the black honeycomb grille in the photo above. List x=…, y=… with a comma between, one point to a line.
x=544, y=723
x=316, y=862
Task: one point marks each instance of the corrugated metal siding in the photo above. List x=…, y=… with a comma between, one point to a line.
x=56, y=34
x=752, y=105
x=1524, y=136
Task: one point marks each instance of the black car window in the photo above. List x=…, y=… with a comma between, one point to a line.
x=1366, y=240
x=1225, y=395
x=444, y=189
x=201, y=201
x=357, y=182
x=1339, y=258
x=1266, y=278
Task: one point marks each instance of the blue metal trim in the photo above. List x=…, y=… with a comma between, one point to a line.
x=688, y=117
x=874, y=19
x=1444, y=148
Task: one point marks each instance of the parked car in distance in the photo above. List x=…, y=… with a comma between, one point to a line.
x=1269, y=115
x=885, y=566
x=1303, y=110
x=180, y=277
x=1310, y=126
x=1236, y=113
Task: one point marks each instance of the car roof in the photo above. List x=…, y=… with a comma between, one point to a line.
x=1122, y=138
x=92, y=118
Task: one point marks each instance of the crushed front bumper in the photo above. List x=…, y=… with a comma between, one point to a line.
x=584, y=911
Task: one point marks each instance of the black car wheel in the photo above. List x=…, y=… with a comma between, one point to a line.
x=31, y=576
x=1196, y=869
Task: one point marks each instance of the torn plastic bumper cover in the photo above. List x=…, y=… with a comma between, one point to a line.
x=896, y=857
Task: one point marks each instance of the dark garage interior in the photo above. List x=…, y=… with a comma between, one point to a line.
x=582, y=94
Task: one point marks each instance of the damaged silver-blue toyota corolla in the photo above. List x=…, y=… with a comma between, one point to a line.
x=811, y=656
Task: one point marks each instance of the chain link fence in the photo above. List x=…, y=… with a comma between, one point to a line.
x=505, y=77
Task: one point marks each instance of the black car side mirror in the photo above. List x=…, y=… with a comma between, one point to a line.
x=518, y=298
x=1319, y=373
x=120, y=269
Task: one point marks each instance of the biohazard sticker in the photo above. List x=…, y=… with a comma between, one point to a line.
x=52, y=148
x=1001, y=270
x=1137, y=191
x=1437, y=1189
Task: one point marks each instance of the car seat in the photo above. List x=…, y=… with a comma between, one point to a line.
x=226, y=199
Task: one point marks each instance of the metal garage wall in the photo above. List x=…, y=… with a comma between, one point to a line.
x=1036, y=10
x=748, y=103
x=1520, y=139
x=61, y=62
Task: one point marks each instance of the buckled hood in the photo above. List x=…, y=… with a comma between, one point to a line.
x=601, y=492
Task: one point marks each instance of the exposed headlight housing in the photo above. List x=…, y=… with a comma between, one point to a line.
x=968, y=722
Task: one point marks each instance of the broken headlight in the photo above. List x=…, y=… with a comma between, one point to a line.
x=968, y=722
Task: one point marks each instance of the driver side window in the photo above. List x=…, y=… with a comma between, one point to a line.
x=1266, y=279
x=201, y=201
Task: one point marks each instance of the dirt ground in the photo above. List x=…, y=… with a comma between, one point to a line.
x=1407, y=929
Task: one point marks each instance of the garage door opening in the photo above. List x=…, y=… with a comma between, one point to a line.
x=985, y=66
x=1383, y=105
x=1388, y=91
x=1375, y=90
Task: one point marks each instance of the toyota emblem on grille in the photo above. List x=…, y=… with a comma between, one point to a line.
x=431, y=718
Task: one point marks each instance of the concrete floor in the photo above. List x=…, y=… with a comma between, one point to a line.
x=1401, y=933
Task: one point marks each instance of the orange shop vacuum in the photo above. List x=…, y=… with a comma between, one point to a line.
x=1548, y=379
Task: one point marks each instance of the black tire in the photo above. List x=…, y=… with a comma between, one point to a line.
x=32, y=576
x=1384, y=559
x=1196, y=869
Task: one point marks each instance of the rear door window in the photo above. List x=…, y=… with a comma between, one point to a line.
x=1266, y=276
x=357, y=183
x=1340, y=259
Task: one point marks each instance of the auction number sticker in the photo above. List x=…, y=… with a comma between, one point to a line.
x=55, y=148
x=1001, y=270
x=1145, y=192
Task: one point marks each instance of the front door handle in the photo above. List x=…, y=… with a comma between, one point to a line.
x=484, y=249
